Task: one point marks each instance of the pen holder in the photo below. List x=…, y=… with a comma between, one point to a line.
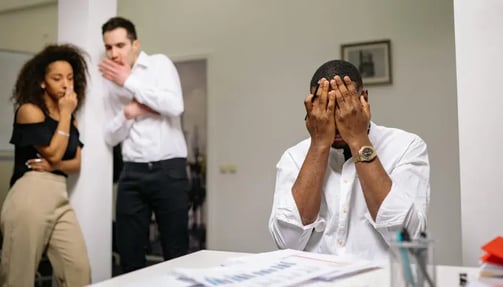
x=412, y=264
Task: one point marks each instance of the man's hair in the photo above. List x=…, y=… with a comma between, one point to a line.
x=119, y=22
x=32, y=74
x=337, y=67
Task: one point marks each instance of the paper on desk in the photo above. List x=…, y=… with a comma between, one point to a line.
x=277, y=268
x=340, y=265
x=171, y=280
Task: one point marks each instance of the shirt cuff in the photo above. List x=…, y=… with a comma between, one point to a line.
x=132, y=85
x=288, y=212
x=117, y=128
x=292, y=218
x=392, y=211
x=121, y=119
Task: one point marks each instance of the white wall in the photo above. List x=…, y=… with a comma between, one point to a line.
x=479, y=61
x=28, y=30
x=261, y=55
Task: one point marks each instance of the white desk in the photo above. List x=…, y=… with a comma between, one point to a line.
x=199, y=259
x=446, y=275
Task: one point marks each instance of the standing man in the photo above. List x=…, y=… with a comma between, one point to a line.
x=145, y=104
x=353, y=184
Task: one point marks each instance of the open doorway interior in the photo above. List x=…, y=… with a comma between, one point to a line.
x=193, y=80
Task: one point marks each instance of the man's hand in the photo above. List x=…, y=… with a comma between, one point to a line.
x=135, y=109
x=352, y=114
x=116, y=72
x=320, y=119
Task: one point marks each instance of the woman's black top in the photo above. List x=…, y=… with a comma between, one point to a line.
x=26, y=136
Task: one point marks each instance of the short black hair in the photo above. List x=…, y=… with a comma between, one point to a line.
x=337, y=67
x=120, y=22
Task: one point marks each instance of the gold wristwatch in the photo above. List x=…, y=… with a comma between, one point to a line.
x=365, y=154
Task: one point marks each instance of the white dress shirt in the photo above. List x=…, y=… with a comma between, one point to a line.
x=154, y=81
x=344, y=225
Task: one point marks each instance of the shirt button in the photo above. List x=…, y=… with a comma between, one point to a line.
x=341, y=242
x=345, y=210
x=345, y=181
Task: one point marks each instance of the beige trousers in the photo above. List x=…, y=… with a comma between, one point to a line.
x=37, y=218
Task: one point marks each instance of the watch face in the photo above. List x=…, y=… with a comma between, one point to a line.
x=367, y=152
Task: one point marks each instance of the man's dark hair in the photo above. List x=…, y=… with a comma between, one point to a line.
x=119, y=22
x=27, y=88
x=337, y=67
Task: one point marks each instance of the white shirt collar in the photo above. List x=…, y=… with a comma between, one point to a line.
x=142, y=60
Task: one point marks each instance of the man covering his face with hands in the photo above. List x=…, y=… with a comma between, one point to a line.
x=350, y=186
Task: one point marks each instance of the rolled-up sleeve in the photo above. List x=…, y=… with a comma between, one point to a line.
x=407, y=202
x=165, y=97
x=117, y=126
x=285, y=223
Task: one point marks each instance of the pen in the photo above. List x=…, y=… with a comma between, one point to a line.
x=421, y=254
x=403, y=236
x=315, y=94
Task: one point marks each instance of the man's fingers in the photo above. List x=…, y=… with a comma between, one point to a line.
x=323, y=94
x=106, y=69
x=365, y=106
x=108, y=66
x=331, y=101
x=308, y=102
x=347, y=80
x=341, y=86
x=352, y=95
x=350, y=85
x=107, y=62
x=106, y=72
x=339, y=97
x=107, y=76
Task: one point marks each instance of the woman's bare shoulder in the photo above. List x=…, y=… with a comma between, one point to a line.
x=29, y=113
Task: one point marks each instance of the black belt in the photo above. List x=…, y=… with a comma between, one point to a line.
x=153, y=164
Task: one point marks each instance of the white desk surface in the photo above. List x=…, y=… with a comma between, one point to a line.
x=199, y=259
x=446, y=275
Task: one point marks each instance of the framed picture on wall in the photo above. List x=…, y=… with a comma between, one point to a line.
x=373, y=60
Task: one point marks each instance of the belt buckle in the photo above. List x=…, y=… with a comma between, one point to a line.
x=150, y=165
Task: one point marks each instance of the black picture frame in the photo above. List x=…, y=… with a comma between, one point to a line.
x=373, y=60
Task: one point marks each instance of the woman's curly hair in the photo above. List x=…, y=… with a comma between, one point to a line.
x=27, y=88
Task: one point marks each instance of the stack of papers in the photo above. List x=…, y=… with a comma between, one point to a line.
x=277, y=268
x=492, y=260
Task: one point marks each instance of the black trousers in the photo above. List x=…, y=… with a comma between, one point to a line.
x=160, y=187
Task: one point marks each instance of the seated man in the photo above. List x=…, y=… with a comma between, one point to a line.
x=353, y=184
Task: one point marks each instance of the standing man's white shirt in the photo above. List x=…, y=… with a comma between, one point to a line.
x=344, y=225
x=155, y=83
